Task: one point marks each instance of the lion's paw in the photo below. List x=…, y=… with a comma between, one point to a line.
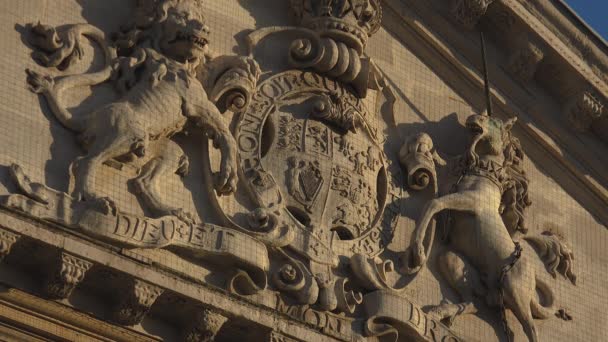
x=445, y=312
x=39, y=83
x=184, y=216
x=105, y=205
x=226, y=179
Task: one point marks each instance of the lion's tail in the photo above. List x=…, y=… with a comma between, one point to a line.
x=540, y=311
x=63, y=56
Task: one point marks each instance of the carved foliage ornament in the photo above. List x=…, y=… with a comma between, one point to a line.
x=66, y=274
x=524, y=61
x=584, y=110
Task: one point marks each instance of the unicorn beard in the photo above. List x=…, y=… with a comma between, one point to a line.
x=473, y=157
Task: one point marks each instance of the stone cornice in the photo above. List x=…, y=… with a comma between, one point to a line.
x=564, y=51
x=558, y=17
x=454, y=55
x=186, y=294
x=57, y=321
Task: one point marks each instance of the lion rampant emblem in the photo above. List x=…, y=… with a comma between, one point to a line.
x=153, y=65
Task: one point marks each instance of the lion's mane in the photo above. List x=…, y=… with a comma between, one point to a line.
x=143, y=32
x=515, y=197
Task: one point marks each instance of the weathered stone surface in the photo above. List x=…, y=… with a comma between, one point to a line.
x=467, y=13
x=66, y=273
x=7, y=239
x=491, y=169
x=205, y=325
x=137, y=299
x=278, y=337
x=305, y=170
x=524, y=61
x=585, y=112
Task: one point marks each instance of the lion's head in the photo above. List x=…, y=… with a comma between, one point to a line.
x=175, y=28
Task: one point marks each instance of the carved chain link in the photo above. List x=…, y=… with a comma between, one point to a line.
x=448, y=218
x=503, y=310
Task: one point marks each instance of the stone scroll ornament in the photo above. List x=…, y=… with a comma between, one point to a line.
x=498, y=269
x=330, y=38
x=153, y=64
x=419, y=159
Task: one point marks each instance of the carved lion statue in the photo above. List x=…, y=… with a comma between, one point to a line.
x=153, y=63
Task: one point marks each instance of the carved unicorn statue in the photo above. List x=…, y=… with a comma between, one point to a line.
x=484, y=260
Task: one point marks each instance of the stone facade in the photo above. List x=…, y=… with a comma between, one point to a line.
x=303, y=170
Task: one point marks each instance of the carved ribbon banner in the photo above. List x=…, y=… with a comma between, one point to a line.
x=207, y=241
x=395, y=318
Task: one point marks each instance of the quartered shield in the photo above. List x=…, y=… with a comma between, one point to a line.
x=309, y=151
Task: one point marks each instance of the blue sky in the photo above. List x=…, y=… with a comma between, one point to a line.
x=594, y=12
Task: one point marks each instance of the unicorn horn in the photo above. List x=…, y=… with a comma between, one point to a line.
x=486, y=79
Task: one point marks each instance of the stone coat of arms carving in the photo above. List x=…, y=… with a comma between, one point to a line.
x=306, y=191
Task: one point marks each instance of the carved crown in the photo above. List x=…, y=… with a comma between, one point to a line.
x=350, y=21
x=148, y=12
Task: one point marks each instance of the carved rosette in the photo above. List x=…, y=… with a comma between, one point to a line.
x=68, y=273
x=205, y=326
x=7, y=240
x=294, y=279
x=136, y=302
